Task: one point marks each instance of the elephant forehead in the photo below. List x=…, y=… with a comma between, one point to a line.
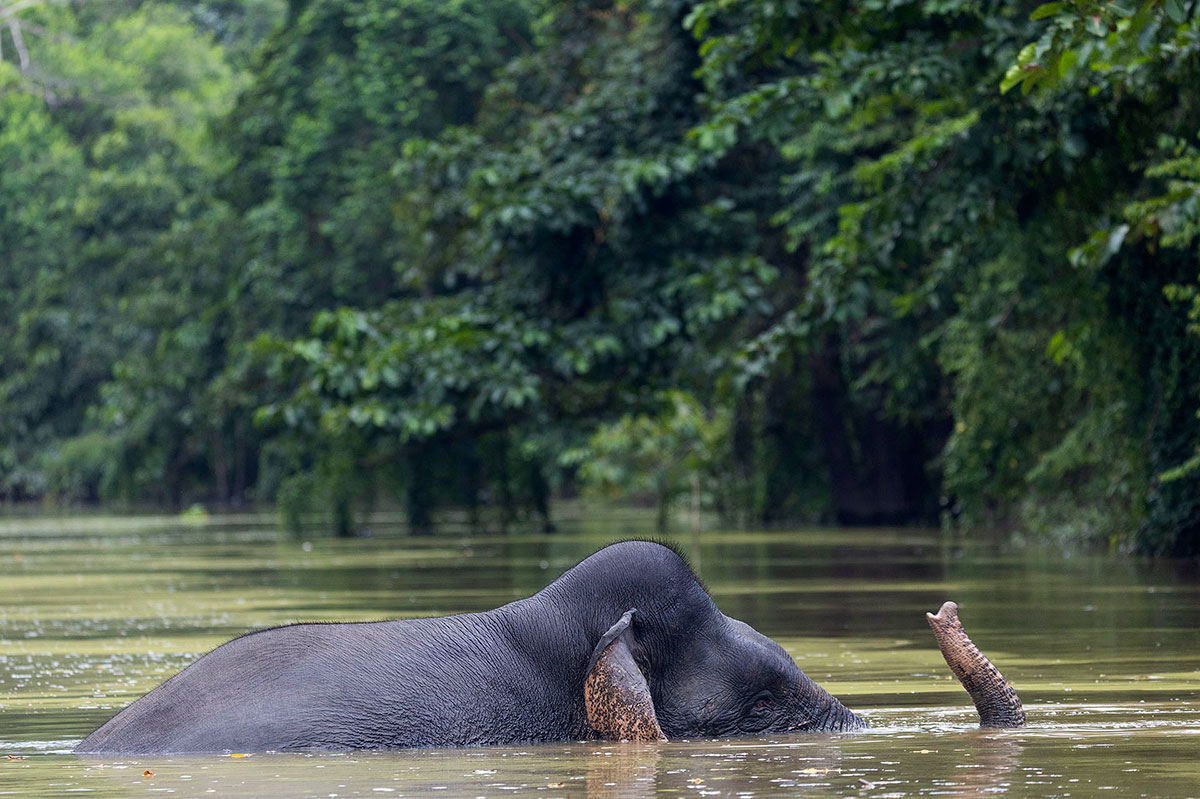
x=754, y=642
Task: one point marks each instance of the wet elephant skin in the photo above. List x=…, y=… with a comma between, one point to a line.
x=509, y=675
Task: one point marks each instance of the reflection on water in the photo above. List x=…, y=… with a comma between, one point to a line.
x=1105, y=653
x=993, y=760
x=948, y=761
x=628, y=771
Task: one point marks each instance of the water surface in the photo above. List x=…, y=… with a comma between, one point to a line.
x=1105, y=653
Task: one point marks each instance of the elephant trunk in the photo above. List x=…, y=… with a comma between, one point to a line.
x=826, y=713
x=839, y=718
x=994, y=698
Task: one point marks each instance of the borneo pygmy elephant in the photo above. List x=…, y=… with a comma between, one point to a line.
x=625, y=645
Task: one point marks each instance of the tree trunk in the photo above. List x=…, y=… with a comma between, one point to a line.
x=240, y=471
x=664, y=508
x=876, y=475
x=420, y=493
x=220, y=466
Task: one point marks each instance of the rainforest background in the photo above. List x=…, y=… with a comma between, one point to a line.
x=883, y=262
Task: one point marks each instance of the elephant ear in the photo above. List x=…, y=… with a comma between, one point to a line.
x=615, y=693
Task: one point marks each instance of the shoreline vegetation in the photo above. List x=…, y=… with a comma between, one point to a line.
x=880, y=263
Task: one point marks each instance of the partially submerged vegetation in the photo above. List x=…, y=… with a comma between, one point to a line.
x=887, y=261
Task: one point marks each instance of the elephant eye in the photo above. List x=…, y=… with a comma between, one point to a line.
x=760, y=714
x=763, y=701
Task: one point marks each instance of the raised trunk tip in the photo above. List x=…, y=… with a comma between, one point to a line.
x=996, y=701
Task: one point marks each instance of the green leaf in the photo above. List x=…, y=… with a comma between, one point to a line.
x=1012, y=77
x=1032, y=78
x=1047, y=10
x=1066, y=62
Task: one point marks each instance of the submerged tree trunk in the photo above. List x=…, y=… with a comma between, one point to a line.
x=878, y=466
x=343, y=515
x=539, y=490
x=220, y=466
x=663, y=518
x=994, y=698
x=241, y=477
x=420, y=491
x=472, y=481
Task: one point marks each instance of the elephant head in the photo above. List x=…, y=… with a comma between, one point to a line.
x=744, y=684
x=671, y=665
x=674, y=666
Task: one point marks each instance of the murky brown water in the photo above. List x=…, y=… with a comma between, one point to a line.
x=1105, y=653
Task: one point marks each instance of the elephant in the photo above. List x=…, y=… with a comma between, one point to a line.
x=626, y=645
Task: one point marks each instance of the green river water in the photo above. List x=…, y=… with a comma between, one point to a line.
x=1104, y=652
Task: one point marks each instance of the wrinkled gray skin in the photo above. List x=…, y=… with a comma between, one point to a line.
x=513, y=674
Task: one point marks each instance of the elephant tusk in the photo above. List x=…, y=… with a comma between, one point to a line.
x=996, y=700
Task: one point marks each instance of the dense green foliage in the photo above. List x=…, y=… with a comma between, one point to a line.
x=104, y=137
x=886, y=261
